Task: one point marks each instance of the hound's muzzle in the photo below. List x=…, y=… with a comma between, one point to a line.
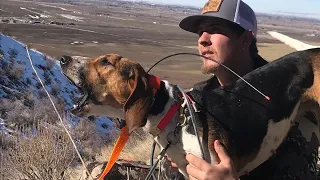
x=73, y=67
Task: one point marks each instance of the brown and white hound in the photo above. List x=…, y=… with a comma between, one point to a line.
x=250, y=127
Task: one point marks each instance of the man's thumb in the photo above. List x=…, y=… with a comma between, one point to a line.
x=221, y=151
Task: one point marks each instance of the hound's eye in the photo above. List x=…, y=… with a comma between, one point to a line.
x=105, y=62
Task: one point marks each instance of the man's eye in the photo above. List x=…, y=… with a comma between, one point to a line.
x=105, y=62
x=209, y=30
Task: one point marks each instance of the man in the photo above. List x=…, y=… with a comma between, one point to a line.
x=227, y=32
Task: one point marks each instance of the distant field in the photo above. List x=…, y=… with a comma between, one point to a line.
x=273, y=51
x=141, y=32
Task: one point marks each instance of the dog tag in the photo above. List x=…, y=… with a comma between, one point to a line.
x=172, y=138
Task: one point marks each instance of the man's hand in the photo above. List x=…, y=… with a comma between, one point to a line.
x=199, y=169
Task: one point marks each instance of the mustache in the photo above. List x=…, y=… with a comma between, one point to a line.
x=204, y=52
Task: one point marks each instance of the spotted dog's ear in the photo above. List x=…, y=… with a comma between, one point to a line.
x=139, y=102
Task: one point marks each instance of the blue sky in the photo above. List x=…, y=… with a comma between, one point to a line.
x=295, y=7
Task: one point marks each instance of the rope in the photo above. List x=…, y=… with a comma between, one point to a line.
x=73, y=143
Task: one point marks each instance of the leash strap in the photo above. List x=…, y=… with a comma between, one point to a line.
x=167, y=118
x=123, y=138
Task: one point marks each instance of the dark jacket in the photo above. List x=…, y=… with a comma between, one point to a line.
x=297, y=156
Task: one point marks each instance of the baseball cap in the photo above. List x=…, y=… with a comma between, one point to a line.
x=234, y=11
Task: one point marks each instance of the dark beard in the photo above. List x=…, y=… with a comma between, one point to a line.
x=208, y=69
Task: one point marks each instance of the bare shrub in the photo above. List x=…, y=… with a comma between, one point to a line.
x=21, y=116
x=44, y=155
x=16, y=72
x=1, y=54
x=55, y=88
x=44, y=111
x=28, y=81
x=49, y=62
x=91, y=142
x=42, y=67
x=43, y=151
x=5, y=167
x=13, y=53
x=39, y=86
x=47, y=78
x=16, y=113
x=6, y=141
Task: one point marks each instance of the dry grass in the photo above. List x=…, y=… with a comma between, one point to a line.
x=138, y=147
x=90, y=140
x=272, y=51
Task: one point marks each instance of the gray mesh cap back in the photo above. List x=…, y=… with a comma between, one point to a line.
x=234, y=11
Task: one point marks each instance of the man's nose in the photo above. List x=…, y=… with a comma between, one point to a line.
x=64, y=60
x=204, y=39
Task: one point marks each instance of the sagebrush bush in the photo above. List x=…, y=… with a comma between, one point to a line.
x=16, y=72
x=17, y=114
x=47, y=77
x=1, y=54
x=13, y=53
x=91, y=142
x=28, y=81
x=44, y=111
x=49, y=62
x=41, y=149
x=55, y=89
x=6, y=141
x=46, y=154
x=38, y=85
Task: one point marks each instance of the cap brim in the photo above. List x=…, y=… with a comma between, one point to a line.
x=192, y=23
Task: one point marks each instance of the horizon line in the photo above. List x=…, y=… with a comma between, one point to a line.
x=314, y=16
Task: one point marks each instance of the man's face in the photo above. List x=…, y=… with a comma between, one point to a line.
x=218, y=42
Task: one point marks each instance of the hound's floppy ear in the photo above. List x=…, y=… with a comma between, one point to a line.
x=139, y=102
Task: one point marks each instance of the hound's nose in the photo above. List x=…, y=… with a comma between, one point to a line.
x=65, y=60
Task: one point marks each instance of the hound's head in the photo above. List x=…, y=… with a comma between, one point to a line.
x=110, y=82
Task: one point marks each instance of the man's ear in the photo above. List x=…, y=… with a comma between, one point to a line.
x=247, y=38
x=139, y=102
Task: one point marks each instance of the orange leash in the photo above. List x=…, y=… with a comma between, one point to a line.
x=123, y=138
